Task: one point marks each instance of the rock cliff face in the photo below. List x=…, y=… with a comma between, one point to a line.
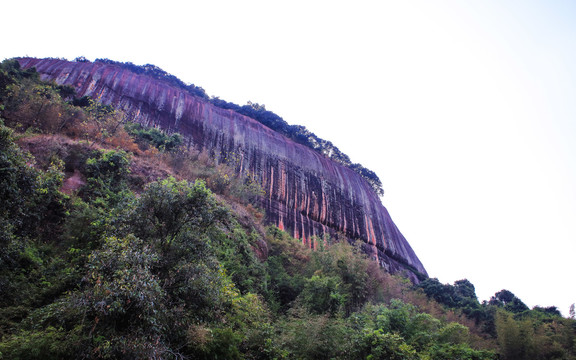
x=307, y=194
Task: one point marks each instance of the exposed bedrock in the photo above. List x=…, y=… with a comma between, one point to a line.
x=307, y=194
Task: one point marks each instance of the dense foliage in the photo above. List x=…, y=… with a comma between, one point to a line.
x=258, y=112
x=154, y=137
x=110, y=250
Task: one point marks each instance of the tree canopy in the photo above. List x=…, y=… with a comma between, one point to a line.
x=112, y=251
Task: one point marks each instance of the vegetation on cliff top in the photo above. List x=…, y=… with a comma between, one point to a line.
x=115, y=245
x=258, y=112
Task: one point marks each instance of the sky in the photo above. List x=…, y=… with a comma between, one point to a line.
x=466, y=110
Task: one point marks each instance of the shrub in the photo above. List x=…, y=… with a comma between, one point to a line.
x=148, y=136
x=176, y=213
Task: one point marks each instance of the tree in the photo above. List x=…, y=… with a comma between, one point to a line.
x=442, y=293
x=514, y=337
x=125, y=302
x=507, y=300
x=378, y=344
x=176, y=213
x=322, y=294
x=103, y=121
x=106, y=175
x=155, y=137
x=465, y=288
x=547, y=311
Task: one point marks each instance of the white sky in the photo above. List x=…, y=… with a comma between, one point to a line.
x=465, y=109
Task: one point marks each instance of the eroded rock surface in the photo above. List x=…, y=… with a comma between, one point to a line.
x=307, y=194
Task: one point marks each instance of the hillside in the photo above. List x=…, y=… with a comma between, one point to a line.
x=118, y=241
x=308, y=193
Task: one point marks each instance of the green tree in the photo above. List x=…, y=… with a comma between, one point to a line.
x=155, y=137
x=321, y=294
x=507, y=300
x=176, y=213
x=107, y=178
x=125, y=301
x=378, y=344
x=102, y=122
x=514, y=337
x=310, y=336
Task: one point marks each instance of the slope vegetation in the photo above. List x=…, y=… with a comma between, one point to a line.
x=117, y=243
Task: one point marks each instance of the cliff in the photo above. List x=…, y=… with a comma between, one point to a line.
x=307, y=194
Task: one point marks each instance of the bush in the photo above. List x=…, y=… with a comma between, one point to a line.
x=176, y=213
x=321, y=294
x=106, y=176
x=148, y=136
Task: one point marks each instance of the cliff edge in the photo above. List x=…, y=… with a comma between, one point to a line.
x=307, y=194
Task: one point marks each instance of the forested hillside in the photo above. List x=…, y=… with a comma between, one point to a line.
x=117, y=243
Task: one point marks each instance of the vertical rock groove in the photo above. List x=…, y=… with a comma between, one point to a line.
x=307, y=194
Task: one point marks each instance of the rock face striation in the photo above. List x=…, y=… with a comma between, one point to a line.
x=307, y=194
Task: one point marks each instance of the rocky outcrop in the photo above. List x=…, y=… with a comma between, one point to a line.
x=307, y=194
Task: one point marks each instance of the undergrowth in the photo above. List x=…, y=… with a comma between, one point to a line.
x=114, y=244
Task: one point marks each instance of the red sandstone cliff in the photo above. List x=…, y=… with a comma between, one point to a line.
x=307, y=194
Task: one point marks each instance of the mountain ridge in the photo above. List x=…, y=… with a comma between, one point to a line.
x=307, y=194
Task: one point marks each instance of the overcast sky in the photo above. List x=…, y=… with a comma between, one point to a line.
x=465, y=109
